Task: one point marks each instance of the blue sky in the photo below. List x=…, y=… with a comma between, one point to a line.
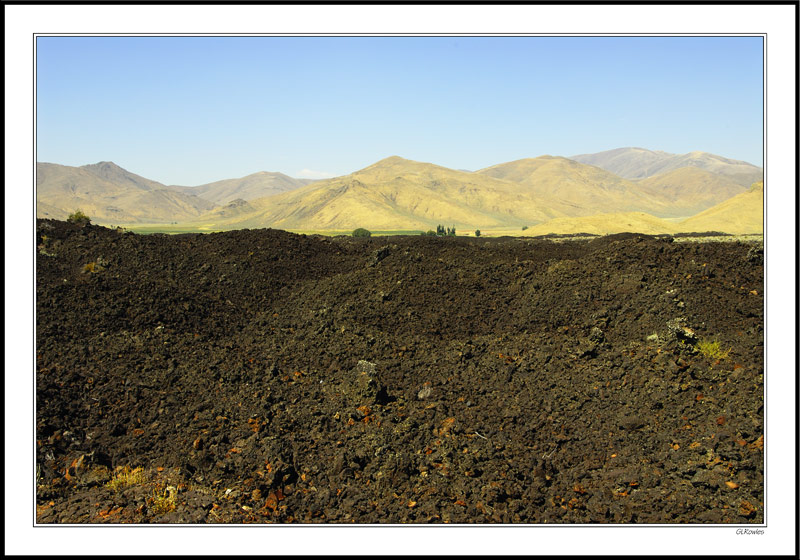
x=191, y=110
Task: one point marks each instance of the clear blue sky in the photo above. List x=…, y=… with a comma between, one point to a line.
x=189, y=111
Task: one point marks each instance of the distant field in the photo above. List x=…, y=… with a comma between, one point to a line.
x=185, y=228
x=174, y=229
x=164, y=228
x=744, y=238
x=349, y=232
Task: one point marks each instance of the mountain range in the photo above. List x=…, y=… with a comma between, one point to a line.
x=400, y=194
x=257, y=185
x=638, y=163
x=111, y=194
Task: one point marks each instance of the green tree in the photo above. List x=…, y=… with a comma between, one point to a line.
x=477, y=233
x=78, y=217
x=361, y=232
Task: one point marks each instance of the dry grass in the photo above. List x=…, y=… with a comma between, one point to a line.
x=163, y=500
x=712, y=349
x=125, y=477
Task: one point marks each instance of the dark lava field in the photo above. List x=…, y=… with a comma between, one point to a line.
x=259, y=376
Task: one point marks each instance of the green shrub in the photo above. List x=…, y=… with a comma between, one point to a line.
x=361, y=232
x=78, y=217
x=477, y=233
x=524, y=228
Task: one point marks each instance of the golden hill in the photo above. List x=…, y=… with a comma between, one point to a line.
x=397, y=193
x=744, y=213
x=692, y=189
x=111, y=195
x=45, y=210
x=605, y=224
x=580, y=189
x=741, y=214
x=548, y=194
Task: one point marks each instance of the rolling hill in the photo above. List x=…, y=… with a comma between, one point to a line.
x=744, y=213
x=638, y=163
x=256, y=185
x=691, y=189
x=397, y=193
x=741, y=214
x=580, y=189
x=112, y=195
x=547, y=194
x=604, y=224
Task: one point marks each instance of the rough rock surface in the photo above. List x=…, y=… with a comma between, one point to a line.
x=262, y=376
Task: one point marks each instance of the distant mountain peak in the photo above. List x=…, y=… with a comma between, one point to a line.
x=639, y=163
x=110, y=171
x=390, y=160
x=103, y=165
x=398, y=163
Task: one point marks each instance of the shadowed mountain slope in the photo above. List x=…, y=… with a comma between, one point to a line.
x=585, y=189
x=692, y=189
x=250, y=187
x=638, y=163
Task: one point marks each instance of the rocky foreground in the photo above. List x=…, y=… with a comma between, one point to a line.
x=265, y=377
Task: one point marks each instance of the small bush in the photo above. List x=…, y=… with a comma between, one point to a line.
x=712, y=349
x=477, y=233
x=361, y=232
x=78, y=217
x=524, y=228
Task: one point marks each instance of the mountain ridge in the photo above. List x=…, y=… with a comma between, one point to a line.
x=393, y=193
x=254, y=185
x=640, y=163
